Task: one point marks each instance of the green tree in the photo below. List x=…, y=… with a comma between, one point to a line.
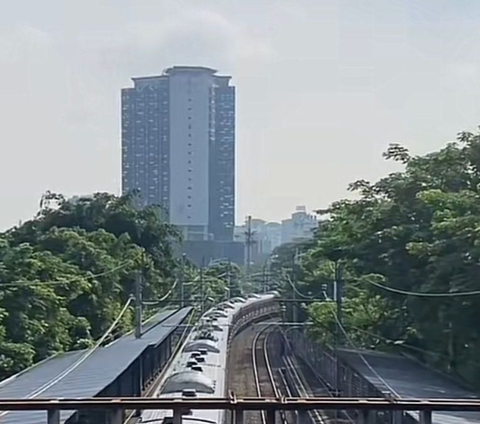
x=66, y=274
x=416, y=231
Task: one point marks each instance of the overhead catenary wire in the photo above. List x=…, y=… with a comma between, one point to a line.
x=163, y=298
x=403, y=292
x=369, y=366
x=304, y=296
x=181, y=345
x=362, y=357
x=26, y=283
x=170, y=292
x=402, y=344
x=80, y=361
x=423, y=294
x=356, y=350
x=408, y=346
x=87, y=354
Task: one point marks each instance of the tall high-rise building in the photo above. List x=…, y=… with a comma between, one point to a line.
x=178, y=148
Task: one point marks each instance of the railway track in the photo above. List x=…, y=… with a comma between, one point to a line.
x=264, y=375
x=302, y=383
x=316, y=416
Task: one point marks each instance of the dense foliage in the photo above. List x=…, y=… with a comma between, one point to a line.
x=66, y=274
x=417, y=231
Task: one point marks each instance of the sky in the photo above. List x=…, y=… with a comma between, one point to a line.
x=323, y=87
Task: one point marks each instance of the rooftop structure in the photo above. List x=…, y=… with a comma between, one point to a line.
x=59, y=377
x=405, y=378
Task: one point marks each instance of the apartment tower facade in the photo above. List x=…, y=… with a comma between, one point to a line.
x=178, y=148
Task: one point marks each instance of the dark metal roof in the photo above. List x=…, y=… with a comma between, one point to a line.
x=91, y=377
x=407, y=378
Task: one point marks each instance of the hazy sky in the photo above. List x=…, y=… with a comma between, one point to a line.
x=323, y=87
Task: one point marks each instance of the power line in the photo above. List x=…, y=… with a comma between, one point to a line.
x=181, y=344
x=313, y=296
x=423, y=294
x=409, y=346
x=78, y=362
x=409, y=293
x=369, y=366
x=364, y=360
x=378, y=337
x=73, y=280
x=164, y=297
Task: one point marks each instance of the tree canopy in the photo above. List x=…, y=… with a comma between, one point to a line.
x=66, y=274
x=409, y=247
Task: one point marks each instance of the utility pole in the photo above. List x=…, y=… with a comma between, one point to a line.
x=294, y=287
x=229, y=279
x=138, y=304
x=249, y=242
x=181, y=281
x=202, y=288
x=337, y=297
x=264, y=278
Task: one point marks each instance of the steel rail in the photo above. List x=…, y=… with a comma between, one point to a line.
x=268, y=364
x=289, y=394
x=316, y=376
x=256, y=373
x=314, y=414
x=248, y=403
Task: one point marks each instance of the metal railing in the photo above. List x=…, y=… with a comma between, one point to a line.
x=181, y=406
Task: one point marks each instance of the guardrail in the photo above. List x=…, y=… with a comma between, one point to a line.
x=181, y=406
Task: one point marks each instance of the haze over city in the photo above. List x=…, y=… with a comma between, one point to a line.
x=240, y=212
x=322, y=88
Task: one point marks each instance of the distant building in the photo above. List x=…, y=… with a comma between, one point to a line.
x=266, y=236
x=178, y=149
x=273, y=232
x=299, y=226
